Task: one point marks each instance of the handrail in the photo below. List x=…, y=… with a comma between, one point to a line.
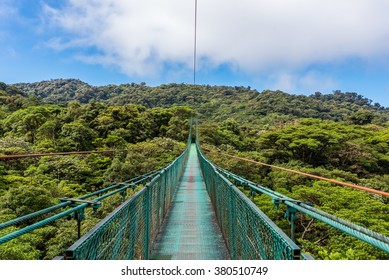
x=75, y=209
x=249, y=233
x=333, y=181
x=138, y=219
x=65, y=204
x=376, y=239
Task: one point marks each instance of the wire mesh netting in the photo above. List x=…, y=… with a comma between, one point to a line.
x=129, y=231
x=190, y=230
x=248, y=232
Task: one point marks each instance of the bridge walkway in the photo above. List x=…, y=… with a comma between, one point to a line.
x=190, y=230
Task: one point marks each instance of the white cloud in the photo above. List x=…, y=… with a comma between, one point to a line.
x=285, y=82
x=6, y=9
x=307, y=83
x=314, y=81
x=254, y=35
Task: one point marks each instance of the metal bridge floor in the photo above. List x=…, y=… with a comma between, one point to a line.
x=190, y=230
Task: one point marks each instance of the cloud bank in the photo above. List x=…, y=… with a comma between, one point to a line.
x=147, y=37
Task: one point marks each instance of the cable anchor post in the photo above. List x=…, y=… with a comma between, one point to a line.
x=79, y=217
x=79, y=214
x=291, y=216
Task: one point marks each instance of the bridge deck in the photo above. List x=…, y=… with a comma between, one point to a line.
x=190, y=230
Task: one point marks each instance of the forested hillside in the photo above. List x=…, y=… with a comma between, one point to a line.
x=218, y=102
x=341, y=135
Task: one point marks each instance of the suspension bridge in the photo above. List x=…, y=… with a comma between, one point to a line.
x=192, y=210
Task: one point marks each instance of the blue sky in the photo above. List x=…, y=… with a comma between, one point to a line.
x=299, y=46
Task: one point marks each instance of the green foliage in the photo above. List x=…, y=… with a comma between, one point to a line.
x=24, y=200
x=317, y=142
x=77, y=136
x=10, y=145
x=218, y=102
x=23, y=248
x=339, y=135
x=29, y=185
x=26, y=122
x=362, y=117
x=352, y=153
x=143, y=157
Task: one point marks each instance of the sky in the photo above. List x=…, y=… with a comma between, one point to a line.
x=299, y=46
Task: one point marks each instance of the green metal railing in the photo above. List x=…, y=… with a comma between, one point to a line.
x=248, y=232
x=129, y=232
x=78, y=206
x=219, y=176
x=293, y=206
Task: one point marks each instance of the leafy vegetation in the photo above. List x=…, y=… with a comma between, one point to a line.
x=352, y=153
x=341, y=135
x=150, y=136
x=218, y=102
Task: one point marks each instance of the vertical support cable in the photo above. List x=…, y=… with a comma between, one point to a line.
x=195, y=45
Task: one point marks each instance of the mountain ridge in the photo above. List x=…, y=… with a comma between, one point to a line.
x=216, y=102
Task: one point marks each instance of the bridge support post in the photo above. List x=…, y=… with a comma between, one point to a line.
x=292, y=230
x=79, y=216
x=291, y=216
x=78, y=227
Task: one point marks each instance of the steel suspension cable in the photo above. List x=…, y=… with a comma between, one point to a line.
x=373, y=191
x=4, y=157
x=376, y=239
x=121, y=186
x=83, y=205
x=195, y=45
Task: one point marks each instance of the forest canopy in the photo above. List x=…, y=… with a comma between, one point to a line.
x=343, y=136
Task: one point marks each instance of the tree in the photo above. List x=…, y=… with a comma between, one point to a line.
x=27, y=121
x=49, y=131
x=362, y=117
x=26, y=199
x=76, y=136
x=10, y=145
